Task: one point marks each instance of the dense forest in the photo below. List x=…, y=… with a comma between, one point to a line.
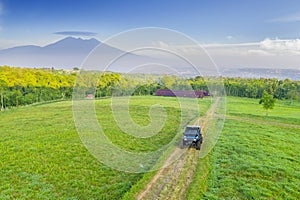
x=23, y=86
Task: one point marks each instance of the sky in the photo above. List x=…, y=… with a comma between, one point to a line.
x=269, y=25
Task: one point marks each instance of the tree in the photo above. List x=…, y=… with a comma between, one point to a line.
x=267, y=101
x=293, y=95
x=3, y=83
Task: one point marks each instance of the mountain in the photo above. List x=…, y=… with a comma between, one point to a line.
x=66, y=53
x=73, y=52
x=71, y=45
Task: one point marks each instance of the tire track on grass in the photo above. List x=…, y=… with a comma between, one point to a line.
x=172, y=181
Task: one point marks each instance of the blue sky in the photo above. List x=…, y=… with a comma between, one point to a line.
x=210, y=21
x=248, y=33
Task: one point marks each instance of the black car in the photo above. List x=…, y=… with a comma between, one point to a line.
x=192, y=136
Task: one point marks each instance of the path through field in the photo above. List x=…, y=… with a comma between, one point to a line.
x=172, y=181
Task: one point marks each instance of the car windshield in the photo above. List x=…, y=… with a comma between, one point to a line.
x=190, y=132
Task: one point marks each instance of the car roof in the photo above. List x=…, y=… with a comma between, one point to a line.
x=193, y=127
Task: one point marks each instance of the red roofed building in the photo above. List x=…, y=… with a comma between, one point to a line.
x=182, y=93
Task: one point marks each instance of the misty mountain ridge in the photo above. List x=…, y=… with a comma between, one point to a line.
x=71, y=44
x=66, y=53
x=70, y=52
x=67, y=43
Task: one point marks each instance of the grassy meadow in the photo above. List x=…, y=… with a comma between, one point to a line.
x=256, y=157
x=42, y=156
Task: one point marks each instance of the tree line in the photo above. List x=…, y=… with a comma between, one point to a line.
x=23, y=86
x=254, y=88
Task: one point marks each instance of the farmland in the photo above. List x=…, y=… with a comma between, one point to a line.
x=42, y=156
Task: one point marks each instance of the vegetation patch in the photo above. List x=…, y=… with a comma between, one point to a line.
x=253, y=160
x=42, y=156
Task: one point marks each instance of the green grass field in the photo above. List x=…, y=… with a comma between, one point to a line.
x=256, y=157
x=42, y=156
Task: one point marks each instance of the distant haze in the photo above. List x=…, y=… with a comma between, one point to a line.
x=66, y=54
x=278, y=55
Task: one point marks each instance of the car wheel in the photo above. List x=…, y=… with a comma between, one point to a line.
x=198, y=145
x=181, y=145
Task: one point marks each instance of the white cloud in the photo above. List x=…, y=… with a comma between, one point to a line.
x=281, y=46
x=266, y=47
x=161, y=44
x=288, y=18
x=276, y=53
x=273, y=53
x=259, y=52
x=233, y=45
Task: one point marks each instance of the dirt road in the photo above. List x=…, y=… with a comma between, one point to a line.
x=172, y=181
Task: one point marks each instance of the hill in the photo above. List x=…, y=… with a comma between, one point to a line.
x=66, y=53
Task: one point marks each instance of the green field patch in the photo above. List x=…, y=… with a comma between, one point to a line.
x=251, y=161
x=42, y=156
